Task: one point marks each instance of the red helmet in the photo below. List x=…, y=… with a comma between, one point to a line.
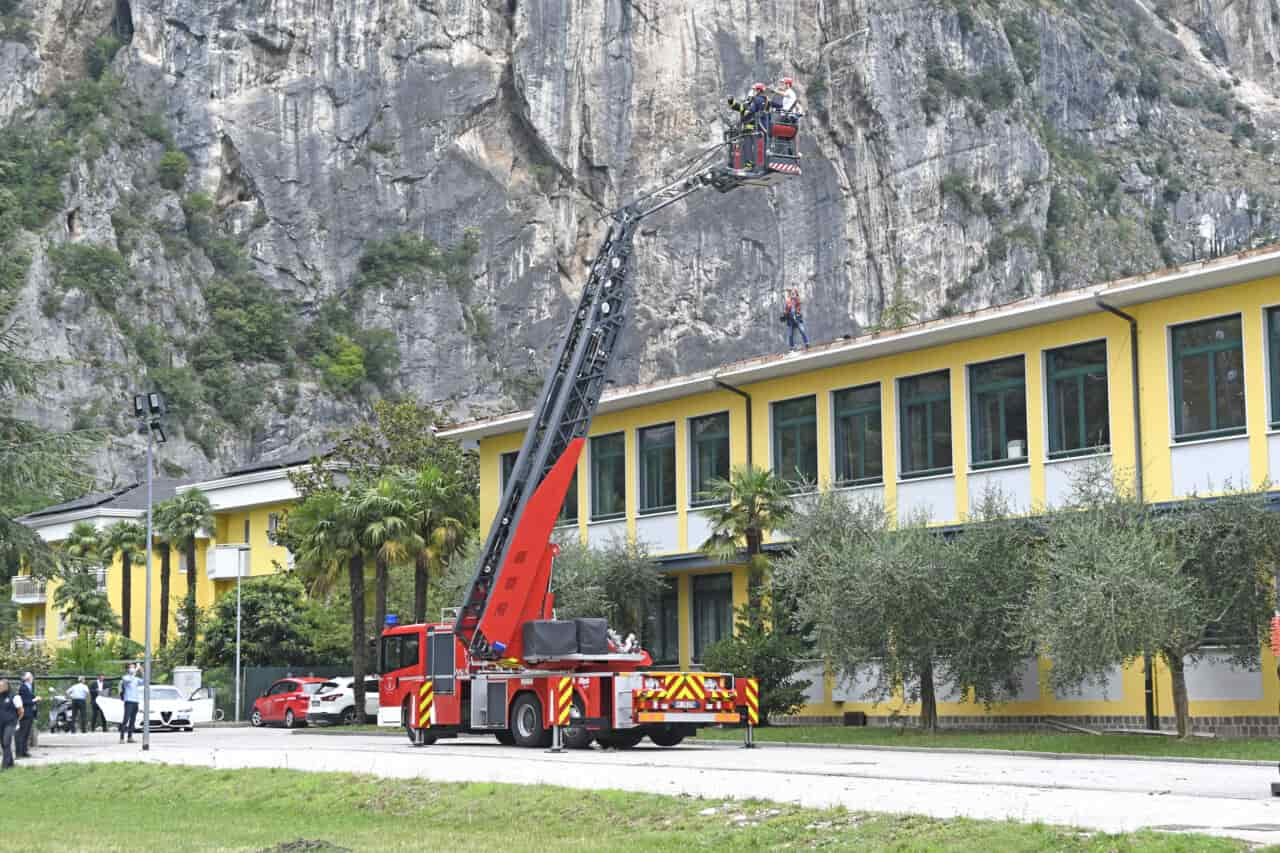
x=757, y=87
x=786, y=80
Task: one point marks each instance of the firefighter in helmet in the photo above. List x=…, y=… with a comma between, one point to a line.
x=754, y=110
x=787, y=96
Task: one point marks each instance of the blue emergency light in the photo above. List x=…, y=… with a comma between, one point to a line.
x=392, y=620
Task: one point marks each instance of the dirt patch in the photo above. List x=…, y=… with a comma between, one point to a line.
x=317, y=845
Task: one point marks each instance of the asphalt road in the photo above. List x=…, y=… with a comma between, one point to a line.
x=1105, y=794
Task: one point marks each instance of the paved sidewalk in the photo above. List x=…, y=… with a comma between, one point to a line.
x=1112, y=795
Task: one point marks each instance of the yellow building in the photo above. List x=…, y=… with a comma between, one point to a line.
x=247, y=504
x=924, y=419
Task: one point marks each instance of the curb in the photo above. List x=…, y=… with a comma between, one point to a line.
x=1061, y=756
x=327, y=733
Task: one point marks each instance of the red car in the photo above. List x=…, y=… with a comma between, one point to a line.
x=286, y=702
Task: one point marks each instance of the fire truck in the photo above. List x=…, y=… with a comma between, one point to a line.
x=501, y=663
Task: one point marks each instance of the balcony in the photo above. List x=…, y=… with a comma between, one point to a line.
x=28, y=591
x=224, y=562
x=101, y=575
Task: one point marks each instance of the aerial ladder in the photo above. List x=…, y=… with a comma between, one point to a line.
x=487, y=668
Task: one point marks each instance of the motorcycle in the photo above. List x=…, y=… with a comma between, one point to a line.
x=60, y=714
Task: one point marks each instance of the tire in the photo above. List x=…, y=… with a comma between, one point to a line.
x=505, y=738
x=219, y=715
x=255, y=719
x=576, y=736
x=288, y=719
x=666, y=736
x=526, y=722
x=348, y=717
x=624, y=739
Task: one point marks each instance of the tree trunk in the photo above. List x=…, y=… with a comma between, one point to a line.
x=379, y=595
x=757, y=563
x=928, y=698
x=1178, y=683
x=126, y=592
x=355, y=578
x=421, y=579
x=191, y=602
x=164, y=594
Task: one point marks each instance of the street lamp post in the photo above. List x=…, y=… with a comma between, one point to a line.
x=148, y=408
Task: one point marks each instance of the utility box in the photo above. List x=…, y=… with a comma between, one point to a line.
x=550, y=638
x=593, y=636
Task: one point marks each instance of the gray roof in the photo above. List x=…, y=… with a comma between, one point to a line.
x=131, y=497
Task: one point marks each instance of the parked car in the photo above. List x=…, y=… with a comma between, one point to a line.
x=169, y=709
x=335, y=702
x=285, y=702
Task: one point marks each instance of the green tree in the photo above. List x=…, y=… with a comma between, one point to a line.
x=277, y=624
x=444, y=512
x=323, y=532
x=173, y=169
x=180, y=521
x=127, y=539
x=1120, y=579
x=618, y=580
x=385, y=513
x=87, y=608
x=163, y=543
x=763, y=647
x=750, y=504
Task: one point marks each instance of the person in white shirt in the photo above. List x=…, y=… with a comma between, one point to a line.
x=78, y=693
x=789, y=96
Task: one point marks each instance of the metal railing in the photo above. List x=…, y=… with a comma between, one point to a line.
x=28, y=591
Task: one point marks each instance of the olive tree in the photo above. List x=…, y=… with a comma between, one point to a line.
x=911, y=604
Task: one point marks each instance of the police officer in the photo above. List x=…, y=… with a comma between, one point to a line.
x=27, y=694
x=10, y=715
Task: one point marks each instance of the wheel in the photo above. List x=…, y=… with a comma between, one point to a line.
x=349, y=716
x=189, y=729
x=255, y=719
x=576, y=736
x=526, y=722
x=219, y=715
x=624, y=739
x=417, y=737
x=288, y=719
x=505, y=738
x=666, y=736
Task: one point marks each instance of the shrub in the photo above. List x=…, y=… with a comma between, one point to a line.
x=155, y=128
x=173, y=169
x=100, y=55
x=343, y=369
x=1024, y=41
x=762, y=649
x=958, y=186
x=97, y=271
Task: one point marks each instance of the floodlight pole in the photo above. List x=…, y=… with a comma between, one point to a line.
x=146, y=657
x=238, y=575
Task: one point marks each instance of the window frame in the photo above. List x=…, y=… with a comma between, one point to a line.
x=642, y=471
x=861, y=412
x=775, y=444
x=1049, y=377
x=595, y=457
x=1272, y=341
x=1001, y=387
x=695, y=651
x=694, y=501
x=1175, y=376
x=904, y=438
x=670, y=595
x=570, y=496
x=505, y=470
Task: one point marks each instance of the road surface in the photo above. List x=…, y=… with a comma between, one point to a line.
x=1105, y=794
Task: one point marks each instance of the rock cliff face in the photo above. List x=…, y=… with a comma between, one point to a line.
x=956, y=155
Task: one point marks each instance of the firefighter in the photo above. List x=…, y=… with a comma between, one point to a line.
x=754, y=110
x=787, y=95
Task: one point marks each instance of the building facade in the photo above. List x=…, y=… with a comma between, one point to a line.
x=247, y=503
x=1170, y=381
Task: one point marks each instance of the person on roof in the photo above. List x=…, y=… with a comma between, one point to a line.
x=793, y=316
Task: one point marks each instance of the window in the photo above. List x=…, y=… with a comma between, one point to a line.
x=712, y=610
x=925, y=422
x=708, y=455
x=273, y=526
x=1076, y=379
x=608, y=477
x=440, y=648
x=665, y=643
x=568, y=512
x=39, y=632
x=1273, y=350
x=1208, y=379
x=657, y=468
x=998, y=411
x=795, y=440
x=390, y=660
x=246, y=531
x=507, y=464
x=858, y=439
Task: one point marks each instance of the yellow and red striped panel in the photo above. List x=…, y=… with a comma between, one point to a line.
x=425, y=695
x=564, y=701
x=752, y=695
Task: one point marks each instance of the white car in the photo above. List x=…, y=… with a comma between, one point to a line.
x=335, y=702
x=169, y=709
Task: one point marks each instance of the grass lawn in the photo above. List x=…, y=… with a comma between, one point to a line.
x=1256, y=748
x=139, y=807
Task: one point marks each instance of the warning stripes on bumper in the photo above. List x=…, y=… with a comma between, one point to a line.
x=426, y=693
x=564, y=701
x=785, y=168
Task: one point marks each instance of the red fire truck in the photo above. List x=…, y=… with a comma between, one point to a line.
x=502, y=663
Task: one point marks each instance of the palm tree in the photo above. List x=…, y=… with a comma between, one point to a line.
x=749, y=505
x=385, y=513
x=159, y=529
x=180, y=521
x=84, y=544
x=444, y=512
x=128, y=539
x=323, y=533
x=87, y=608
